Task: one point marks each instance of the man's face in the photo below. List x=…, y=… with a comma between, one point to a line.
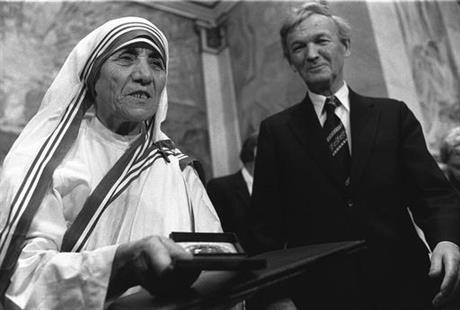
x=129, y=87
x=453, y=165
x=317, y=54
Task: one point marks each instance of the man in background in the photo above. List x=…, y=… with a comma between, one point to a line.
x=231, y=194
x=450, y=156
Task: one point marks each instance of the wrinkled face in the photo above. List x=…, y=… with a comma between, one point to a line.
x=317, y=54
x=129, y=87
x=453, y=165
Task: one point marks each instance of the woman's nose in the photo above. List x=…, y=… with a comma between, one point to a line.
x=142, y=72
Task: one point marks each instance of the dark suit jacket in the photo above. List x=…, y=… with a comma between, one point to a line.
x=298, y=200
x=230, y=197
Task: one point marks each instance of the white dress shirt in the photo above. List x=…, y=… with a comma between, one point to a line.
x=248, y=179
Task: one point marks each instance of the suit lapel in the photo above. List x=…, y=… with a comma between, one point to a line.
x=305, y=125
x=364, y=119
x=241, y=188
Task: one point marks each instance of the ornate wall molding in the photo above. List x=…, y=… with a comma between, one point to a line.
x=205, y=13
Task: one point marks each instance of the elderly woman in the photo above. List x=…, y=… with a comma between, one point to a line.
x=88, y=198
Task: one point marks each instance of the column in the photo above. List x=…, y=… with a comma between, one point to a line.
x=220, y=100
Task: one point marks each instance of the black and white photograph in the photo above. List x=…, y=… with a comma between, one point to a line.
x=230, y=154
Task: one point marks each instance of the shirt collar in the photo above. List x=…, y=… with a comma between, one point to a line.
x=248, y=179
x=319, y=100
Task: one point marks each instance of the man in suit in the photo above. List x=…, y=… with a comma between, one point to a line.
x=231, y=194
x=340, y=166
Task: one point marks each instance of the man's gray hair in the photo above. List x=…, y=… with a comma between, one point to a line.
x=300, y=14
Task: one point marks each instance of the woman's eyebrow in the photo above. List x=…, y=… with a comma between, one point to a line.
x=130, y=50
x=137, y=50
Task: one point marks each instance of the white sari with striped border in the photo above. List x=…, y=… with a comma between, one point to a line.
x=136, y=186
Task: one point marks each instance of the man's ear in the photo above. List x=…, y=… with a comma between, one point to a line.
x=347, y=46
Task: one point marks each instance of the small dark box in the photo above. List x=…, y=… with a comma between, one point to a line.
x=215, y=251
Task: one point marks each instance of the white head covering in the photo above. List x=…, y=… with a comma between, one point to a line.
x=42, y=145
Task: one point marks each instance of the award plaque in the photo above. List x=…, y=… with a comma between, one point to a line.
x=215, y=251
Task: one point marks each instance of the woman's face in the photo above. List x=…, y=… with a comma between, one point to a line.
x=129, y=87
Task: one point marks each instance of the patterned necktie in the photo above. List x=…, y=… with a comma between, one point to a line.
x=336, y=138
